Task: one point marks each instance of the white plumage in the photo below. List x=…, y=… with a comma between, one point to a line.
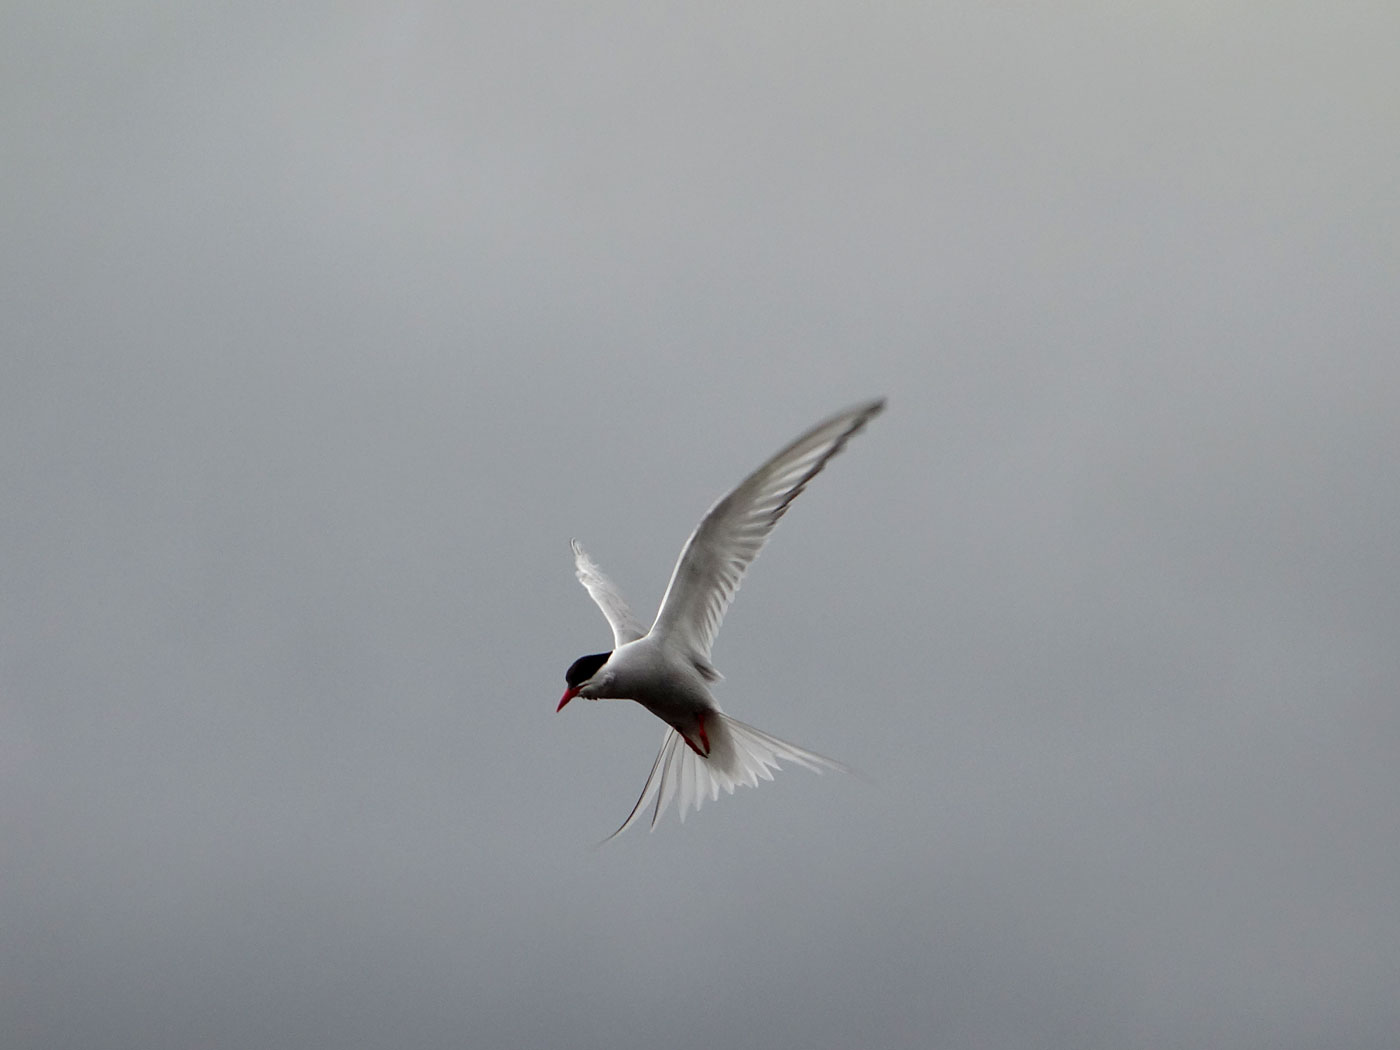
x=667, y=669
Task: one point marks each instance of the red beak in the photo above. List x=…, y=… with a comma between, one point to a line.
x=569, y=694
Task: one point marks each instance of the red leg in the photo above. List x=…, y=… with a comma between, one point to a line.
x=704, y=737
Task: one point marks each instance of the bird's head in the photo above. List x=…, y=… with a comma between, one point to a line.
x=579, y=675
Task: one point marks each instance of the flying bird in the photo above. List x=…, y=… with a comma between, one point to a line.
x=667, y=668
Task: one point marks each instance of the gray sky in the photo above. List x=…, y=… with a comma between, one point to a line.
x=326, y=326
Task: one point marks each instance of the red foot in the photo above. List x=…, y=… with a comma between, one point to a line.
x=704, y=738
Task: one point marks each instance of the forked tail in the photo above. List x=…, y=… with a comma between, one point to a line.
x=739, y=754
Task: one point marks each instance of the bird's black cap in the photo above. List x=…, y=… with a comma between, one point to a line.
x=584, y=668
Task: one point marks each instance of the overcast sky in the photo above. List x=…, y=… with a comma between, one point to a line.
x=326, y=325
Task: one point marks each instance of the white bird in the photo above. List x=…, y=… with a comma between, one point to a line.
x=667, y=669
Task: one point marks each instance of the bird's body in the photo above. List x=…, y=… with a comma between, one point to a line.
x=667, y=668
x=671, y=688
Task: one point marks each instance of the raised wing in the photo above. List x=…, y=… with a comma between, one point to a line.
x=625, y=626
x=721, y=548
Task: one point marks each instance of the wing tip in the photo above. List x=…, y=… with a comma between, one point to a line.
x=862, y=414
x=864, y=410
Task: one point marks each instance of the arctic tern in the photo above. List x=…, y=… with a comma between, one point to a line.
x=667, y=668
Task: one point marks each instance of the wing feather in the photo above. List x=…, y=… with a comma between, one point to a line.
x=713, y=562
x=625, y=626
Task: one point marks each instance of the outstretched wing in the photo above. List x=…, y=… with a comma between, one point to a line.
x=625, y=626
x=714, y=559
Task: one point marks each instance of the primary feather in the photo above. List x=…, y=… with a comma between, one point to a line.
x=625, y=626
x=727, y=540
